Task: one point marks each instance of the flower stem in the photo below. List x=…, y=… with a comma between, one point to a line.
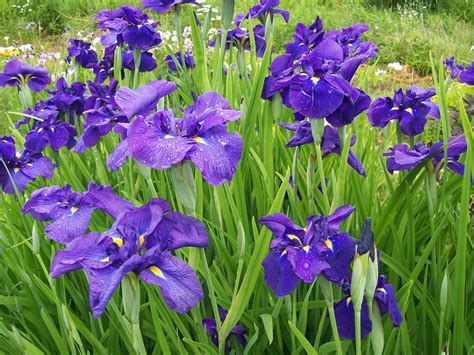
x=358, y=339
x=326, y=288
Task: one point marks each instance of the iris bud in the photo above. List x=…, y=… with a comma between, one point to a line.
x=184, y=185
x=227, y=12
x=376, y=336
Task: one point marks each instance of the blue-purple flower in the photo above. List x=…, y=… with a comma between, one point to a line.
x=19, y=168
x=128, y=25
x=385, y=299
x=161, y=141
x=162, y=6
x=330, y=142
x=401, y=157
x=299, y=253
x=313, y=77
x=177, y=57
x=140, y=241
x=409, y=108
x=68, y=100
x=147, y=62
x=17, y=72
x=211, y=328
x=265, y=7
x=458, y=71
x=82, y=53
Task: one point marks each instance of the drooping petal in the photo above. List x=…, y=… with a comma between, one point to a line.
x=104, y=198
x=42, y=202
x=216, y=154
x=340, y=215
x=279, y=274
x=281, y=225
x=344, y=311
x=71, y=225
x=306, y=262
x=178, y=283
x=119, y=156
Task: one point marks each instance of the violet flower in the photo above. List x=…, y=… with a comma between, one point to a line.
x=147, y=62
x=330, y=142
x=401, y=157
x=128, y=25
x=303, y=253
x=161, y=141
x=140, y=241
x=409, y=108
x=70, y=212
x=18, y=169
x=265, y=7
x=82, y=53
x=458, y=71
x=188, y=61
x=68, y=100
x=211, y=328
x=17, y=72
x=161, y=6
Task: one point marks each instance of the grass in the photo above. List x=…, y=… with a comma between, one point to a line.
x=421, y=219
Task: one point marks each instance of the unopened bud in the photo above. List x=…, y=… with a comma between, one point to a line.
x=376, y=336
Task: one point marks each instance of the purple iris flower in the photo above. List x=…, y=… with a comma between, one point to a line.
x=108, y=107
x=140, y=241
x=70, y=212
x=385, y=299
x=18, y=169
x=210, y=325
x=68, y=100
x=128, y=25
x=303, y=253
x=330, y=142
x=49, y=130
x=410, y=108
x=465, y=75
x=147, y=62
x=267, y=7
x=161, y=141
x=314, y=75
x=17, y=72
x=82, y=53
x=188, y=61
x=162, y=6
x=401, y=157
x=240, y=38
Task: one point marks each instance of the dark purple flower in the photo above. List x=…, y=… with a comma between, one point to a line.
x=314, y=75
x=70, y=212
x=107, y=107
x=17, y=72
x=410, y=108
x=188, y=61
x=162, y=6
x=454, y=69
x=303, y=253
x=344, y=311
x=147, y=62
x=330, y=142
x=387, y=302
x=140, y=241
x=82, y=53
x=18, y=169
x=401, y=157
x=128, y=25
x=161, y=141
x=210, y=325
x=265, y=7
x=68, y=100
x=240, y=38
x=467, y=75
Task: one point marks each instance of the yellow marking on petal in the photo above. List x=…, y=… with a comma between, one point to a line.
x=315, y=79
x=381, y=289
x=409, y=110
x=157, y=271
x=305, y=229
x=329, y=244
x=29, y=164
x=199, y=140
x=74, y=209
x=17, y=155
x=141, y=240
x=105, y=260
x=168, y=136
x=118, y=241
x=283, y=253
x=349, y=299
x=306, y=248
x=16, y=170
x=292, y=237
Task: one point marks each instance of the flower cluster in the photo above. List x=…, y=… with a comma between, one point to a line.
x=321, y=248
x=141, y=240
x=409, y=108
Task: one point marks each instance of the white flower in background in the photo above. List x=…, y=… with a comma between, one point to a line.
x=395, y=66
x=200, y=1
x=96, y=41
x=471, y=49
x=380, y=72
x=187, y=31
x=6, y=38
x=174, y=39
x=26, y=47
x=188, y=44
x=57, y=55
